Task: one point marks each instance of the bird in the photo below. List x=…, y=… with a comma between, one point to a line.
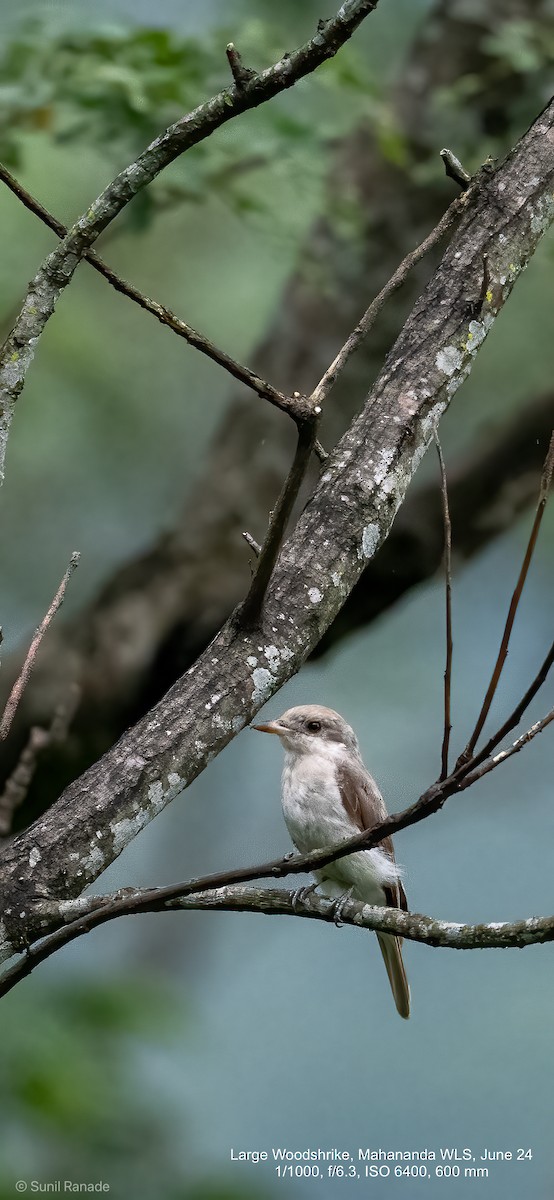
x=328, y=795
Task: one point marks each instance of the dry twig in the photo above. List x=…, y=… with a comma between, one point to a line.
x=364, y=326
x=164, y=315
x=448, y=598
x=250, y=610
x=546, y=479
x=18, y=783
x=241, y=74
x=22, y=679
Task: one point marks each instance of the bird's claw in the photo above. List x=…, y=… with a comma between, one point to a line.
x=301, y=894
x=338, y=907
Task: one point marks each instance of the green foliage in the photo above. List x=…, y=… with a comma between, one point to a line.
x=485, y=110
x=115, y=89
x=521, y=47
x=67, y=1081
x=80, y=1093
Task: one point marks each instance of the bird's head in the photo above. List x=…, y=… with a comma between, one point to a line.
x=309, y=727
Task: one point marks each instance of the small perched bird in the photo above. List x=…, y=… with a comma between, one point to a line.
x=327, y=796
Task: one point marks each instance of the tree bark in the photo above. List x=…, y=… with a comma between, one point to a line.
x=159, y=612
x=349, y=516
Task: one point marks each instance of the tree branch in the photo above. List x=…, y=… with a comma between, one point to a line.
x=18, y=783
x=241, y=74
x=546, y=479
x=448, y=595
x=412, y=926
x=490, y=763
x=366, y=323
x=493, y=482
x=360, y=490
x=70, y=919
x=277, y=902
x=489, y=486
x=58, y=269
x=293, y=406
x=173, y=597
x=516, y=715
x=23, y=677
x=249, y=612
x=455, y=170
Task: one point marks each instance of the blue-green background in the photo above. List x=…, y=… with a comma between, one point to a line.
x=240, y=1031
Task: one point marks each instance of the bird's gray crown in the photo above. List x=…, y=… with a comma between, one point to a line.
x=314, y=720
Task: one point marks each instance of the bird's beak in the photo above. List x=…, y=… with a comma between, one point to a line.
x=270, y=727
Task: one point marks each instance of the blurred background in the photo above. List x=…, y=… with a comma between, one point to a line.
x=143, y=1053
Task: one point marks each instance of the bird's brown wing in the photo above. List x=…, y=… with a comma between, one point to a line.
x=365, y=806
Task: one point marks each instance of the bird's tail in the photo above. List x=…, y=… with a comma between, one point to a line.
x=391, y=949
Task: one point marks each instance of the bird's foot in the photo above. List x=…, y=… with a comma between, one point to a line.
x=301, y=894
x=338, y=907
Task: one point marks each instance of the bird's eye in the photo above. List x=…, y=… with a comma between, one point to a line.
x=313, y=726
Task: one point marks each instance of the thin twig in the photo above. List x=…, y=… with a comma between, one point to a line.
x=448, y=601
x=251, y=608
x=294, y=406
x=23, y=677
x=250, y=541
x=455, y=170
x=546, y=479
x=396, y=280
x=18, y=783
x=241, y=74
x=503, y=755
x=515, y=717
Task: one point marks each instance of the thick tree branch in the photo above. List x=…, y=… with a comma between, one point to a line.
x=490, y=763
x=412, y=926
x=171, y=599
x=488, y=487
x=277, y=902
x=355, y=503
x=58, y=269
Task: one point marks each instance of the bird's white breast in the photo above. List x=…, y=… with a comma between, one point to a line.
x=316, y=818
x=312, y=804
